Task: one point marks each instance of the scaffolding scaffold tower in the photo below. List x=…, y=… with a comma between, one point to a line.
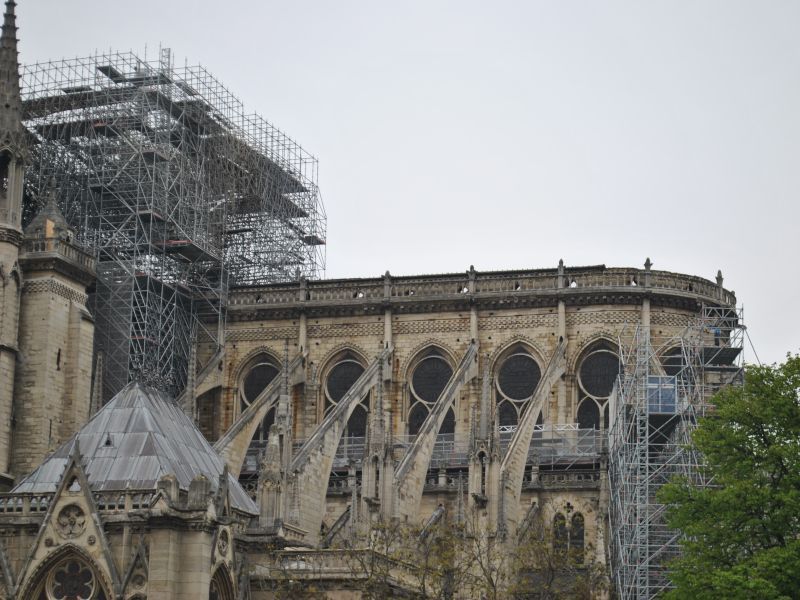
x=177, y=191
x=659, y=396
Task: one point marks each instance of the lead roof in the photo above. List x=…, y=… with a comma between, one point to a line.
x=139, y=436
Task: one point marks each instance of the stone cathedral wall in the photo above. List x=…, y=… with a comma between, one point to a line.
x=590, y=306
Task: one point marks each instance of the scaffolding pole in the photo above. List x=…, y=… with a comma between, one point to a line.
x=657, y=401
x=177, y=191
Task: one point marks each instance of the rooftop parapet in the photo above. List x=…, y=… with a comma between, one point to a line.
x=58, y=248
x=563, y=282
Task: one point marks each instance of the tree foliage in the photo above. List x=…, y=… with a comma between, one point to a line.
x=742, y=533
x=458, y=560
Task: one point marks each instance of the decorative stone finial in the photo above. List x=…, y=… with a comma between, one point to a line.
x=560, y=265
x=647, y=264
x=719, y=278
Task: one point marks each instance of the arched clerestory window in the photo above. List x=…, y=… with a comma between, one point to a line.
x=517, y=377
x=261, y=372
x=598, y=369
x=429, y=377
x=344, y=372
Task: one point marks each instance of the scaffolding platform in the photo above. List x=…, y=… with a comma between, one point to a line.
x=177, y=190
x=720, y=357
x=653, y=417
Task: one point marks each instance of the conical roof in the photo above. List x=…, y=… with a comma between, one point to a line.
x=134, y=440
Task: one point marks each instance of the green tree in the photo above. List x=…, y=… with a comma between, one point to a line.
x=742, y=533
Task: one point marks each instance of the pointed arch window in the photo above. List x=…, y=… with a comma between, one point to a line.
x=221, y=587
x=428, y=380
x=597, y=372
x=569, y=536
x=516, y=381
x=340, y=378
x=258, y=376
x=71, y=579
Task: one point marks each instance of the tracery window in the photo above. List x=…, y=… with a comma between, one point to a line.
x=341, y=377
x=428, y=380
x=263, y=371
x=516, y=380
x=71, y=579
x=569, y=538
x=597, y=372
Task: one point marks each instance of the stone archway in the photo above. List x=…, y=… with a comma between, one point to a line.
x=68, y=576
x=221, y=587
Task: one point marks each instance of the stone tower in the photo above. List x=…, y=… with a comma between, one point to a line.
x=13, y=153
x=54, y=368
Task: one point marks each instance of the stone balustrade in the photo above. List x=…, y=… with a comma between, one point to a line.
x=390, y=289
x=36, y=504
x=25, y=504
x=60, y=247
x=561, y=480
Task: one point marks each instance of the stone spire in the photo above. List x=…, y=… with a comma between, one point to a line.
x=10, y=103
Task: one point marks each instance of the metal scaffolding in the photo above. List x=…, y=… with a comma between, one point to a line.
x=656, y=403
x=179, y=194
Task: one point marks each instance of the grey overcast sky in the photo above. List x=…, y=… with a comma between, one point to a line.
x=512, y=134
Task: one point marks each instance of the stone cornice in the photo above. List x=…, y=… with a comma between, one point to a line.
x=585, y=286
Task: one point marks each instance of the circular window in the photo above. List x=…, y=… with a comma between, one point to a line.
x=517, y=378
x=598, y=373
x=257, y=380
x=71, y=580
x=341, y=378
x=428, y=380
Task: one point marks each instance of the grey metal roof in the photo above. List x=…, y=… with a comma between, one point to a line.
x=134, y=440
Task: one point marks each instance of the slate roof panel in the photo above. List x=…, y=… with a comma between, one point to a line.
x=150, y=436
